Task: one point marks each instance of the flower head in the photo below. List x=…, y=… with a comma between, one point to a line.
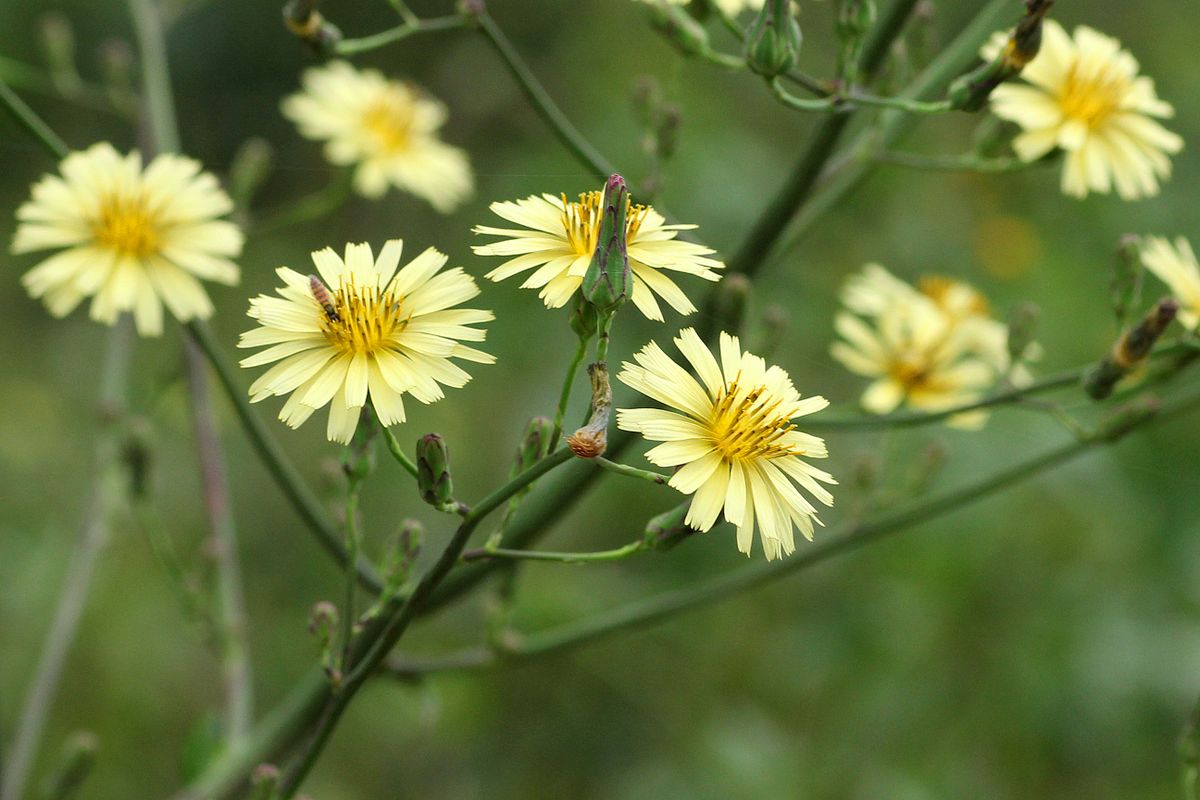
x=388, y=128
x=933, y=347
x=130, y=238
x=558, y=237
x=1176, y=266
x=736, y=447
x=1084, y=95
x=361, y=329
x=730, y=7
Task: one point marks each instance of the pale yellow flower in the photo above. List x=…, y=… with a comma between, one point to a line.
x=736, y=447
x=557, y=239
x=1178, y=269
x=388, y=128
x=132, y=239
x=730, y=7
x=361, y=330
x=931, y=348
x=1084, y=95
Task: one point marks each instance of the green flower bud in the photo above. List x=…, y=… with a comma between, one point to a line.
x=668, y=529
x=773, y=39
x=400, y=556
x=608, y=281
x=264, y=782
x=302, y=19
x=583, y=320
x=535, y=443
x=971, y=91
x=685, y=33
x=1127, y=277
x=1022, y=327
x=75, y=763
x=58, y=45
x=1130, y=350
x=433, y=472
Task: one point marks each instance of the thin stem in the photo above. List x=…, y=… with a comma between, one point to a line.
x=353, y=541
x=156, y=76
x=964, y=163
x=281, y=469
x=231, y=606
x=92, y=539
x=396, y=450
x=312, y=206
x=410, y=27
x=801, y=103
x=631, y=472
x=901, y=103
x=853, y=535
x=398, y=623
x=28, y=119
x=404, y=11
x=564, y=397
x=541, y=101
x=808, y=82
x=562, y=558
x=86, y=95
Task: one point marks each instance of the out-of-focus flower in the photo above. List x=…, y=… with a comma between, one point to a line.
x=1084, y=95
x=388, y=128
x=361, y=329
x=736, y=447
x=932, y=347
x=730, y=7
x=132, y=239
x=557, y=239
x=1176, y=266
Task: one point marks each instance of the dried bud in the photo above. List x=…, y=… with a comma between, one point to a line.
x=433, y=473
x=302, y=19
x=668, y=529
x=971, y=91
x=1022, y=328
x=608, y=281
x=773, y=39
x=591, y=440
x=1130, y=350
x=1127, y=277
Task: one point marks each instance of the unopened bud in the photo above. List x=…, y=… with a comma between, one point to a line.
x=535, y=443
x=971, y=91
x=358, y=459
x=669, y=124
x=730, y=298
x=251, y=165
x=855, y=19
x=668, y=529
x=583, y=319
x=58, y=47
x=433, y=472
x=137, y=453
x=74, y=764
x=681, y=30
x=401, y=554
x=264, y=782
x=1127, y=277
x=773, y=39
x=608, y=282
x=647, y=97
x=323, y=619
x=1022, y=329
x=1130, y=350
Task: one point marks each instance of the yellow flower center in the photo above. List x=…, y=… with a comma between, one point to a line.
x=954, y=297
x=366, y=319
x=910, y=371
x=126, y=225
x=581, y=221
x=750, y=427
x=389, y=121
x=1092, y=98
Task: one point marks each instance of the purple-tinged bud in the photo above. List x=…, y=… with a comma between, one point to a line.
x=608, y=282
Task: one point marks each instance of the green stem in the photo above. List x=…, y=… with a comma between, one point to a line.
x=853, y=536
x=28, y=119
x=311, y=206
x=563, y=558
x=541, y=101
x=348, y=47
x=281, y=469
x=231, y=607
x=901, y=104
x=631, y=472
x=396, y=450
x=86, y=95
x=965, y=163
x=92, y=539
x=564, y=396
x=353, y=540
x=156, y=76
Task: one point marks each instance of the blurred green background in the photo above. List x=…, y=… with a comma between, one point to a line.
x=1044, y=643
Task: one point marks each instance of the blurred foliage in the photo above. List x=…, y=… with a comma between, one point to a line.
x=1041, y=644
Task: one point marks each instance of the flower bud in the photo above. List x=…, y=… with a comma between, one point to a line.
x=58, y=46
x=681, y=30
x=358, y=459
x=302, y=19
x=855, y=19
x=264, y=782
x=668, y=529
x=401, y=554
x=1022, y=328
x=970, y=92
x=773, y=39
x=535, y=443
x=1127, y=277
x=75, y=763
x=1130, y=350
x=608, y=281
x=433, y=472
x=583, y=320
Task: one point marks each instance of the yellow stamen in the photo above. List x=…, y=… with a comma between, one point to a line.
x=389, y=120
x=581, y=221
x=953, y=297
x=366, y=319
x=1091, y=98
x=126, y=225
x=750, y=426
